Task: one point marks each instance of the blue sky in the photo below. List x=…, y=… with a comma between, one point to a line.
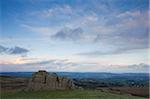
x=74, y=35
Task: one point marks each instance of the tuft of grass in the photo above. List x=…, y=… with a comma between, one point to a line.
x=65, y=94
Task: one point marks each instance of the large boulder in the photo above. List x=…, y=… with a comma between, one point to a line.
x=43, y=80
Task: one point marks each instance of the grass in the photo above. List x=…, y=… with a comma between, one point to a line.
x=67, y=94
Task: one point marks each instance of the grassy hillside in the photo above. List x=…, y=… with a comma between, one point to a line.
x=73, y=94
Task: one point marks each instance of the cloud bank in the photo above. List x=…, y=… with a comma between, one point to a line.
x=66, y=65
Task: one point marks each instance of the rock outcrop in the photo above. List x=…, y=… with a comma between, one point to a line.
x=43, y=80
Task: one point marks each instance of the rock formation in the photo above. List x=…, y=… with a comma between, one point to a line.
x=43, y=80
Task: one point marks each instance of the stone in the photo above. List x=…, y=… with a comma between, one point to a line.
x=43, y=80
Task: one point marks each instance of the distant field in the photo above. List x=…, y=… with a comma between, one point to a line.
x=144, y=92
x=73, y=94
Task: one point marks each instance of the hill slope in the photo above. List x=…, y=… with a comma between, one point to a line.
x=67, y=94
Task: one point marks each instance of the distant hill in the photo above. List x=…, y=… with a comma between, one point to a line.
x=80, y=75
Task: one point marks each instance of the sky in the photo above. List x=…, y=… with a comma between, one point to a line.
x=74, y=35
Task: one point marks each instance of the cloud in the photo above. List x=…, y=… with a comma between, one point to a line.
x=116, y=29
x=36, y=29
x=120, y=50
x=3, y=49
x=13, y=51
x=125, y=29
x=67, y=66
x=46, y=62
x=53, y=11
x=50, y=65
x=140, y=66
x=69, y=34
x=129, y=14
x=18, y=50
x=43, y=30
x=129, y=31
x=98, y=53
x=128, y=24
x=135, y=68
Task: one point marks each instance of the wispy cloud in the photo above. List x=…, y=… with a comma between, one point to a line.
x=99, y=53
x=135, y=68
x=53, y=11
x=119, y=50
x=128, y=28
x=43, y=30
x=69, y=34
x=66, y=65
x=50, y=65
x=13, y=51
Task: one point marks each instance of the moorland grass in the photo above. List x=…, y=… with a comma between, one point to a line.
x=67, y=94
